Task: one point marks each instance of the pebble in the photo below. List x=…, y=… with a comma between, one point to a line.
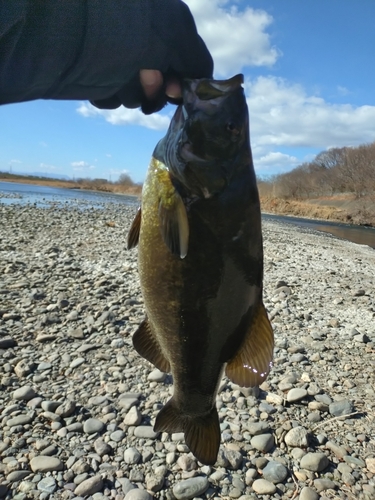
x=47, y=485
x=296, y=395
x=136, y=494
x=190, y=488
x=339, y=408
x=45, y=464
x=308, y=493
x=25, y=393
x=133, y=417
x=132, y=456
x=370, y=465
x=61, y=373
x=89, y=486
x=275, y=472
x=145, y=432
x=263, y=442
x=21, y=420
x=322, y=484
x=315, y=462
x=93, y=425
x=263, y=487
x=156, y=376
x=298, y=437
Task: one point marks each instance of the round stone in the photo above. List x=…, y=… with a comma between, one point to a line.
x=339, y=408
x=156, y=376
x=315, y=462
x=296, y=394
x=308, y=493
x=297, y=437
x=47, y=485
x=89, y=486
x=263, y=442
x=132, y=456
x=133, y=417
x=45, y=464
x=24, y=393
x=370, y=465
x=190, y=488
x=275, y=472
x=264, y=487
x=137, y=494
x=145, y=432
x=93, y=425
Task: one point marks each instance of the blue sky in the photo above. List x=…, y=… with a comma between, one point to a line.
x=309, y=69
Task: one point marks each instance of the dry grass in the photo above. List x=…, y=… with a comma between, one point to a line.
x=108, y=187
x=352, y=211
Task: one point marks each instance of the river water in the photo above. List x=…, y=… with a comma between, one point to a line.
x=44, y=196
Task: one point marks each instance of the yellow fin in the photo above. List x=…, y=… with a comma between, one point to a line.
x=253, y=361
x=174, y=224
x=202, y=433
x=133, y=235
x=147, y=346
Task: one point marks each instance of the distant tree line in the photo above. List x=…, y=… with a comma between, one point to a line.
x=124, y=184
x=332, y=172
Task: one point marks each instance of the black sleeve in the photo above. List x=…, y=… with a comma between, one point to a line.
x=94, y=49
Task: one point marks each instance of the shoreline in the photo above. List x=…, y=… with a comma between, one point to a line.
x=74, y=389
x=337, y=216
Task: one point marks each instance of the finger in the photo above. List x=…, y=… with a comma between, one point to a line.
x=151, y=81
x=173, y=88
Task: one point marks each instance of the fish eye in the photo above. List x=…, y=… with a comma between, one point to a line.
x=232, y=128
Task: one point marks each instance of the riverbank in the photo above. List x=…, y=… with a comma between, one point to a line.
x=85, y=184
x=73, y=389
x=341, y=208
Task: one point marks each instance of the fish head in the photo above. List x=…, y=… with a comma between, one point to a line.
x=208, y=135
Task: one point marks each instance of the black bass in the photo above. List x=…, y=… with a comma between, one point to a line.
x=201, y=261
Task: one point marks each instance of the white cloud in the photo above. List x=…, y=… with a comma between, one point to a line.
x=108, y=155
x=81, y=165
x=275, y=160
x=236, y=38
x=342, y=90
x=15, y=161
x=43, y=144
x=124, y=116
x=282, y=114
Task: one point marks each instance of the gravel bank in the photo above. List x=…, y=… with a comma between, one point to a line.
x=77, y=404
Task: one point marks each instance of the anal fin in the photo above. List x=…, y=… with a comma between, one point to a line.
x=133, y=235
x=146, y=345
x=253, y=361
x=202, y=433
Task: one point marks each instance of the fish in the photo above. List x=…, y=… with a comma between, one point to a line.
x=200, y=261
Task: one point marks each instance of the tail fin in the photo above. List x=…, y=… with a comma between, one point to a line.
x=202, y=434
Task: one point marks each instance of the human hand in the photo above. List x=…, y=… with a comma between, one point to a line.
x=152, y=81
x=176, y=51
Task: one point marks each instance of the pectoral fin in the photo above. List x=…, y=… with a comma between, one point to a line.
x=146, y=345
x=252, y=363
x=174, y=225
x=133, y=235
